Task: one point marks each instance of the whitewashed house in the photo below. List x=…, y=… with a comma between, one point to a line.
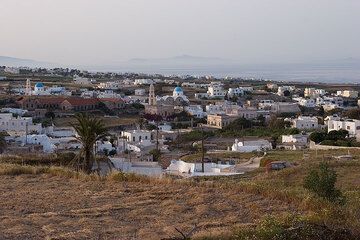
x=81, y=80
x=140, y=92
x=143, y=82
x=136, y=135
x=213, y=109
x=178, y=167
x=293, y=142
x=251, y=146
x=216, y=90
x=196, y=111
x=304, y=122
x=306, y=102
x=18, y=125
x=283, y=89
x=350, y=125
x=38, y=139
x=348, y=93
x=314, y=93
x=235, y=92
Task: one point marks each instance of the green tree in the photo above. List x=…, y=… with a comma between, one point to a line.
x=353, y=113
x=50, y=115
x=2, y=143
x=276, y=123
x=321, y=181
x=156, y=154
x=89, y=130
x=337, y=135
x=317, y=137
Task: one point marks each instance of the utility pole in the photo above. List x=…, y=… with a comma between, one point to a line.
x=202, y=149
x=26, y=133
x=157, y=136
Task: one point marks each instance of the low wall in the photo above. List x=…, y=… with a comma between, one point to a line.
x=314, y=146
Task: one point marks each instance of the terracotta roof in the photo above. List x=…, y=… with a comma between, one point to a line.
x=50, y=100
x=82, y=101
x=113, y=100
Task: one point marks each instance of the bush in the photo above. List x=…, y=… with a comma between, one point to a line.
x=156, y=154
x=317, y=137
x=322, y=181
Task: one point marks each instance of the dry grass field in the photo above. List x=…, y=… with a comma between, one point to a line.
x=53, y=207
x=41, y=202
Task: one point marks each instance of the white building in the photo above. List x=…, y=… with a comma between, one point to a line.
x=265, y=104
x=41, y=139
x=306, y=102
x=235, y=92
x=81, y=80
x=201, y=95
x=293, y=142
x=16, y=111
x=140, y=92
x=251, y=146
x=41, y=90
x=178, y=167
x=143, y=82
x=109, y=85
x=102, y=146
x=297, y=138
x=179, y=93
x=350, y=125
x=348, y=94
x=314, y=93
x=216, y=90
x=337, y=102
x=214, y=109
x=283, y=89
x=18, y=125
x=304, y=122
x=196, y=111
x=136, y=135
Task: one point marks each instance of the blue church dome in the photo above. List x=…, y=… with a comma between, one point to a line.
x=39, y=85
x=178, y=89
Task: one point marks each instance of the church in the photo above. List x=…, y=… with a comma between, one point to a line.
x=162, y=106
x=177, y=99
x=40, y=90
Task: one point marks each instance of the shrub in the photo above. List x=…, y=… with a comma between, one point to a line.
x=156, y=154
x=322, y=181
x=317, y=137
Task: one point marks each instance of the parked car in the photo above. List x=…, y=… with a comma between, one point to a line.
x=277, y=165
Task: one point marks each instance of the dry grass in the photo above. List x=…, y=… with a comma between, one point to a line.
x=64, y=205
x=59, y=203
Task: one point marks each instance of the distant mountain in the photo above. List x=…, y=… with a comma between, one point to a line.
x=182, y=59
x=20, y=62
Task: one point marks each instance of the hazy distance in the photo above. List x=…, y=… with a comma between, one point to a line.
x=111, y=32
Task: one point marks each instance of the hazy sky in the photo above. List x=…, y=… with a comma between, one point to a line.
x=249, y=31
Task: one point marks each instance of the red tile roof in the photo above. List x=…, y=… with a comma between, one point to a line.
x=82, y=101
x=113, y=100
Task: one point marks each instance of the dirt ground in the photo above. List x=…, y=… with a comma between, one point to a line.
x=47, y=207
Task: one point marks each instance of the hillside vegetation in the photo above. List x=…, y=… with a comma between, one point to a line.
x=40, y=202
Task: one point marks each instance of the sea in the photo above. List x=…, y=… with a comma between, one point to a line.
x=304, y=73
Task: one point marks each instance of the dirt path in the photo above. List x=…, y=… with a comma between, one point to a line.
x=251, y=165
x=44, y=207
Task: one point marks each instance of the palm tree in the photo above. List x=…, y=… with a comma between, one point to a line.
x=89, y=130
